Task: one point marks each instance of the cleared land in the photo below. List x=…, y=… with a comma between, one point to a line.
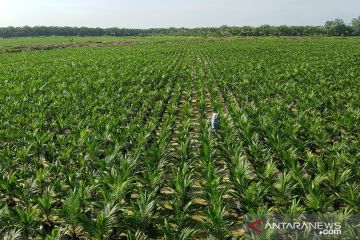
x=109, y=138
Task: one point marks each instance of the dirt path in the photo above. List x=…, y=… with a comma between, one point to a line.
x=24, y=48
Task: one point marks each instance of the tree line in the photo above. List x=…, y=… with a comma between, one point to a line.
x=335, y=27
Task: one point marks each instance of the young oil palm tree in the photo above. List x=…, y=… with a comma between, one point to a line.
x=27, y=220
x=102, y=225
x=284, y=189
x=350, y=195
x=8, y=186
x=14, y=234
x=46, y=204
x=216, y=223
x=54, y=235
x=70, y=214
x=144, y=212
x=182, y=201
x=317, y=200
x=172, y=234
x=137, y=235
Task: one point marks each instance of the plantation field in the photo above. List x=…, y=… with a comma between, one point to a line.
x=113, y=141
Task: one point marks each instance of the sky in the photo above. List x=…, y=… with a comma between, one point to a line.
x=174, y=13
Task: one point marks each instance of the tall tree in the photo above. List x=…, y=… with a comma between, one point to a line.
x=355, y=25
x=337, y=27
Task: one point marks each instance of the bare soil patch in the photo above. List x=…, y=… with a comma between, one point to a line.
x=23, y=48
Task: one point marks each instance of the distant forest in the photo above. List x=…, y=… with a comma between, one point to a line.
x=336, y=27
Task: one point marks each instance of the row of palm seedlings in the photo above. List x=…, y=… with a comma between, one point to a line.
x=135, y=135
x=231, y=159
x=153, y=152
x=213, y=224
x=256, y=160
x=250, y=176
x=213, y=186
x=180, y=175
x=183, y=177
